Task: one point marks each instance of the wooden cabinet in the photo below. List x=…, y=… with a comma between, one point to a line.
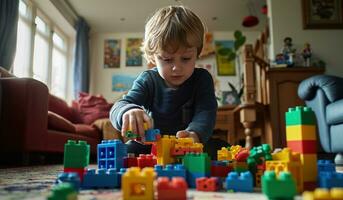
x=283, y=85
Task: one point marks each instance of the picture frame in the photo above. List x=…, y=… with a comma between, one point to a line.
x=134, y=55
x=112, y=48
x=322, y=14
x=226, y=65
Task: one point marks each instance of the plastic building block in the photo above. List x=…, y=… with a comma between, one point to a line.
x=170, y=190
x=151, y=135
x=242, y=155
x=208, y=184
x=282, y=187
x=301, y=132
x=146, y=160
x=186, y=145
x=76, y=155
x=286, y=154
x=240, y=166
x=220, y=168
x=300, y=115
x=171, y=171
x=324, y=194
x=235, y=149
x=63, y=191
x=111, y=154
x=259, y=154
x=258, y=176
x=120, y=174
x=309, y=162
x=130, y=135
x=330, y=180
x=130, y=161
x=138, y=185
x=224, y=154
x=197, y=162
x=325, y=166
x=79, y=171
x=303, y=146
x=192, y=176
x=103, y=179
x=242, y=183
x=69, y=177
x=164, y=146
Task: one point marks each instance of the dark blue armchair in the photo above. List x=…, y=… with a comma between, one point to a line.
x=324, y=94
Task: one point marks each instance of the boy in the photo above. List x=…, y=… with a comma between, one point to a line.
x=175, y=97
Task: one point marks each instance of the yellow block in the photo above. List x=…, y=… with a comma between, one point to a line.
x=301, y=132
x=224, y=154
x=138, y=185
x=321, y=194
x=164, y=145
x=309, y=162
x=286, y=155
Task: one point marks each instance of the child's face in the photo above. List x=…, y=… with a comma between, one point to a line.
x=176, y=68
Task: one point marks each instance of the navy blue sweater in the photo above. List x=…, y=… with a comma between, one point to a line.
x=192, y=106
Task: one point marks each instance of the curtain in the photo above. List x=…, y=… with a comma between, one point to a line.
x=81, y=62
x=8, y=31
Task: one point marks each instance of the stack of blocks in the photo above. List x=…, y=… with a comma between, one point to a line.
x=197, y=165
x=76, y=157
x=301, y=137
x=111, y=154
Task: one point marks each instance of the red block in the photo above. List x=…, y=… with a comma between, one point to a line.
x=154, y=149
x=147, y=160
x=220, y=171
x=130, y=161
x=303, y=146
x=207, y=184
x=79, y=171
x=170, y=190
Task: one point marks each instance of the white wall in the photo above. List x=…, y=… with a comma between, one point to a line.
x=101, y=78
x=286, y=20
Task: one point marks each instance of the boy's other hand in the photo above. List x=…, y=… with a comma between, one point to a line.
x=191, y=134
x=134, y=120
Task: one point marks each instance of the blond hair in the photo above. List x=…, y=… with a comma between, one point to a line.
x=170, y=28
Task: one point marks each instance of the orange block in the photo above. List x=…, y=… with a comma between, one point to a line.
x=309, y=162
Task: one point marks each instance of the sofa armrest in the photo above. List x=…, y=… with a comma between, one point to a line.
x=332, y=87
x=23, y=122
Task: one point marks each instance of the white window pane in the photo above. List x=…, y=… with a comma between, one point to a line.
x=40, y=59
x=58, y=41
x=22, y=8
x=41, y=25
x=21, y=65
x=58, y=74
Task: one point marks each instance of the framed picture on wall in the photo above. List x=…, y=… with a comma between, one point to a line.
x=134, y=56
x=112, y=53
x=225, y=59
x=322, y=14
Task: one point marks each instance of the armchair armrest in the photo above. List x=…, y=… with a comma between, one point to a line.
x=332, y=87
x=23, y=121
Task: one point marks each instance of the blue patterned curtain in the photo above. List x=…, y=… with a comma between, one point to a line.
x=8, y=31
x=81, y=64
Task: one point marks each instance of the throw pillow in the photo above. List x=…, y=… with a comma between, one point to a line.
x=59, y=123
x=59, y=106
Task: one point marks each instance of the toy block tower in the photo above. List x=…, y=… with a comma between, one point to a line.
x=76, y=157
x=111, y=154
x=197, y=165
x=301, y=137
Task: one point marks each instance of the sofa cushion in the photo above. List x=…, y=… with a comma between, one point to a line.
x=334, y=112
x=60, y=107
x=87, y=130
x=57, y=122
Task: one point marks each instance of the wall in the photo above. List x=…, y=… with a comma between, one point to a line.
x=286, y=20
x=101, y=78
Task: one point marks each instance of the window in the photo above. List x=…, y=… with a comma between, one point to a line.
x=42, y=49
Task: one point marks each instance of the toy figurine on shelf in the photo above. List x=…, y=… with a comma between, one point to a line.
x=307, y=54
x=288, y=51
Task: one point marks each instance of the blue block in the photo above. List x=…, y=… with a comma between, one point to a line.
x=120, y=174
x=330, y=179
x=111, y=154
x=192, y=176
x=103, y=179
x=150, y=135
x=326, y=166
x=171, y=171
x=242, y=183
x=69, y=177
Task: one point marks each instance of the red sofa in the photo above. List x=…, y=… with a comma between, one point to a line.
x=26, y=126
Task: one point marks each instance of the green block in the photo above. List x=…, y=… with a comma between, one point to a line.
x=63, y=191
x=282, y=187
x=195, y=162
x=76, y=155
x=300, y=116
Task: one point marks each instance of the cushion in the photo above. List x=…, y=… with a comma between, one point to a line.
x=87, y=130
x=91, y=107
x=334, y=112
x=59, y=106
x=57, y=122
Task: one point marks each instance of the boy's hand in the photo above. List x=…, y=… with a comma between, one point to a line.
x=191, y=134
x=134, y=120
